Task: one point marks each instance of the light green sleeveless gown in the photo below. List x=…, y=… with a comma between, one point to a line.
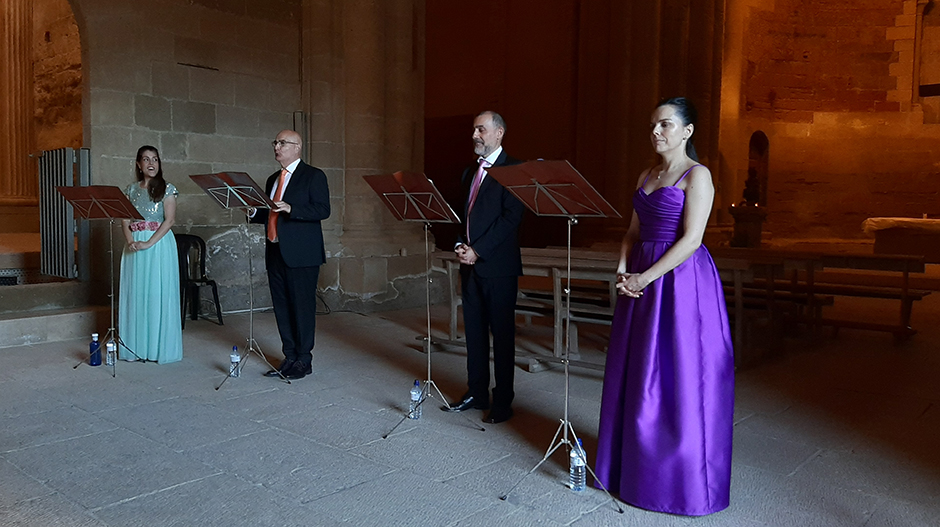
x=149, y=302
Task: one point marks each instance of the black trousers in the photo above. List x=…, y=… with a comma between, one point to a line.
x=294, y=294
x=489, y=305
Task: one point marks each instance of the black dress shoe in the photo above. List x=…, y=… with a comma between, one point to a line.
x=467, y=403
x=298, y=370
x=498, y=415
x=285, y=367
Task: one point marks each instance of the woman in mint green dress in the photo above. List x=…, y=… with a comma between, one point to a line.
x=149, y=307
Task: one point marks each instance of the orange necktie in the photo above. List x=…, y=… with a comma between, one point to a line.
x=272, y=216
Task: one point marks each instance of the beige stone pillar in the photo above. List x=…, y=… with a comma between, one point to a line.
x=18, y=183
x=363, y=74
x=364, y=85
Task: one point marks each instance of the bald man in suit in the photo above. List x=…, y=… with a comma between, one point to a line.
x=294, y=251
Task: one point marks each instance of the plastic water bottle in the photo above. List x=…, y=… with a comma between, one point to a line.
x=110, y=353
x=577, y=471
x=236, y=360
x=414, y=409
x=94, y=350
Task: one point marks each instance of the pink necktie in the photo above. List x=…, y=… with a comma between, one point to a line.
x=475, y=189
x=272, y=216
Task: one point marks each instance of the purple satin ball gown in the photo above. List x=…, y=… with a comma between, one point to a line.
x=664, y=440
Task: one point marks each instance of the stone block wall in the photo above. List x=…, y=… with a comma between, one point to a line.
x=210, y=83
x=805, y=57
x=831, y=85
x=363, y=87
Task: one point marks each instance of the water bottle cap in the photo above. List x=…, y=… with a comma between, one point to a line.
x=579, y=442
x=234, y=348
x=417, y=382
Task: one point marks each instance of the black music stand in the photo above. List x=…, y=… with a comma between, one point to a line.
x=555, y=188
x=97, y=202
x=413, y=197
x=236, y=190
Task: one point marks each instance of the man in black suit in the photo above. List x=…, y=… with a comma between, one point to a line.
x=488, y=249
x=294, y=251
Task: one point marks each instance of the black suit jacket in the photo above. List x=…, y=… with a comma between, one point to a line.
x=300, y=236
x=494, y=224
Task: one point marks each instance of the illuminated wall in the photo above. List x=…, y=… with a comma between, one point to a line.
x=833, y=86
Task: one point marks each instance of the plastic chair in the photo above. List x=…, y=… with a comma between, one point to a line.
x=192, y=260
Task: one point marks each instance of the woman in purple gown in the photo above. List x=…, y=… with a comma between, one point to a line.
x=664, y=441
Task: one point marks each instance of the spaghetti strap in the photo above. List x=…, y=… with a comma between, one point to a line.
x=684, y=174
x=648, y=174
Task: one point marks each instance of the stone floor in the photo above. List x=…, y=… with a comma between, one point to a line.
x=843, y=432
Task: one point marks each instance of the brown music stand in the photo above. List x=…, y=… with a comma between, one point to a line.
x=233, y=190
x=99, y=202
x=413, y=197
x=236, y=190
x=555, y=188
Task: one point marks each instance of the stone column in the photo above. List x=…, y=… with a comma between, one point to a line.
x=363, y=75
x=364, y=84
x=18, y=182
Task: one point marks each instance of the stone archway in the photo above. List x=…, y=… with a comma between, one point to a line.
x=757, y=165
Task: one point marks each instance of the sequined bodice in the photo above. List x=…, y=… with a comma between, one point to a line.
x=141, y=200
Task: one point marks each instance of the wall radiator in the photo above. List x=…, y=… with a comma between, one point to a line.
x=58, y=228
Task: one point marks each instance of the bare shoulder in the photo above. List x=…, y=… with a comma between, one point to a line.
x=699, y=177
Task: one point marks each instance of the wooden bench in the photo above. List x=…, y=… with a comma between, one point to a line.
x=822, y=290
x=756, y=297
x=592, y=273
x=807, y=273
x=550, y=266
x=592, y=301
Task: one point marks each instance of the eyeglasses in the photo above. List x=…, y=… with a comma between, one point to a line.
x=280, y=142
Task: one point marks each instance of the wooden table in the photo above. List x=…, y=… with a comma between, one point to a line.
x=915, y=236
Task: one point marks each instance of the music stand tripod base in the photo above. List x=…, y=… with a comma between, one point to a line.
x=555, y=188
x=410, y=196
x=236, y=190
x=426, y=392
x=253, y=346
x=104, y=202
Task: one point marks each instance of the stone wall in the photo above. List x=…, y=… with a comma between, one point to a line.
x=831, y=84
x=210, y=83
x=363, y=67
x=57, y=68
